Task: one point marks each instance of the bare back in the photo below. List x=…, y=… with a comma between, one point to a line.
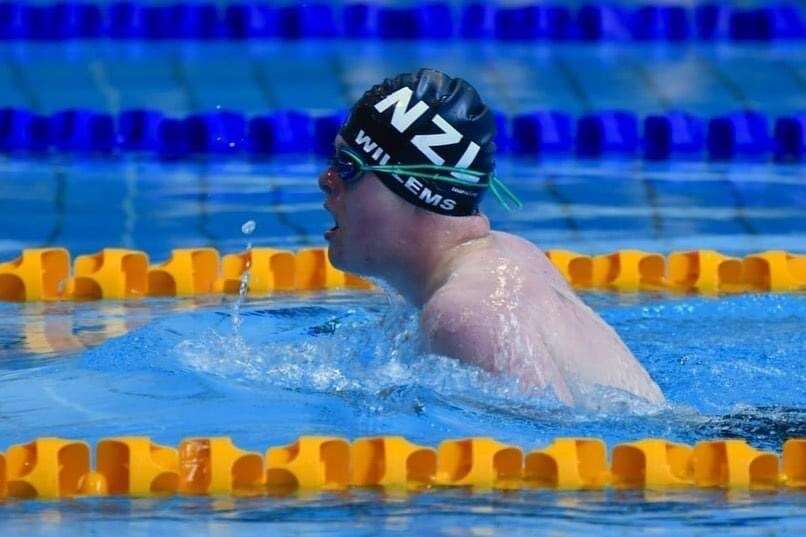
x=505, y=308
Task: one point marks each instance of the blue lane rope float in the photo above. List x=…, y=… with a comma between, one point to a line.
x=437, y=20
x=742, y=135
x=56, y=468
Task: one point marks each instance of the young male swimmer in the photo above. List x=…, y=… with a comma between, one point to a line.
x=411, y=164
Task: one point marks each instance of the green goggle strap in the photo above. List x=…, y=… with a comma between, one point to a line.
x=502, y=194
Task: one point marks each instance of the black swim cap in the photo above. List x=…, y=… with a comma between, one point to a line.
x=426, y=118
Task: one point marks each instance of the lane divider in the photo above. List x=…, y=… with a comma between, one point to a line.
x=695, y=271
x=43, y=274
x=431, y=20
x=672, y=135
x=54, y=468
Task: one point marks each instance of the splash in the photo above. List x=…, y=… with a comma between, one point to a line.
x=368, y=349
x=353, y=349
x=247, y=229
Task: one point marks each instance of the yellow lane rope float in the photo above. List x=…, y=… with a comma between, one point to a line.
x=43, y=274
x=53, y=468
x=117, y=273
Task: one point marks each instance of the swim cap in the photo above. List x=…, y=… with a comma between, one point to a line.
x=426, y=118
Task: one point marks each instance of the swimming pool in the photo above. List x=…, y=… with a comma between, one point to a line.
x=346, y=363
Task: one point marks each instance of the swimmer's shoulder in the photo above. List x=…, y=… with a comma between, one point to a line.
x=455, y=323
x=515, y=243
x=531, y=257
x=464, y=290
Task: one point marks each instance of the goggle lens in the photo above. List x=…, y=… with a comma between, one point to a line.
x=346, y=166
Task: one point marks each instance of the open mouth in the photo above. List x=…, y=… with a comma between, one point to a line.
x=332, y=231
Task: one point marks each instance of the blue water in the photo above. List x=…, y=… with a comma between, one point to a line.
x=347, y=363
x=592, y=207
x=181, y=78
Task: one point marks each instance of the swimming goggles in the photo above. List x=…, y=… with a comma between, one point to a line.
x=351, y=167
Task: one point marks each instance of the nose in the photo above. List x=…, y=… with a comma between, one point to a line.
x=330, y=183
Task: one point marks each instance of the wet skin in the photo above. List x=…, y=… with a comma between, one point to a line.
x=487, y=298
x=504, y=307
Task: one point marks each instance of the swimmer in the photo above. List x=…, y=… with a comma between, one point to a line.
x=411, y=164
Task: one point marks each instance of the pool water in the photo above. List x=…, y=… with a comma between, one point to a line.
x=180, y=78
x=347, y=363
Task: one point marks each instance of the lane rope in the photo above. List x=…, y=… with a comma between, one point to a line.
x=435, y=21
x=44, y=274
x=675, y=135
x=54, y=468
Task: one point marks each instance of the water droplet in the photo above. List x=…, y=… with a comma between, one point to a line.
x=248, y=227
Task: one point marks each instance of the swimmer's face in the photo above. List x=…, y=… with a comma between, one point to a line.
x=368, y=222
